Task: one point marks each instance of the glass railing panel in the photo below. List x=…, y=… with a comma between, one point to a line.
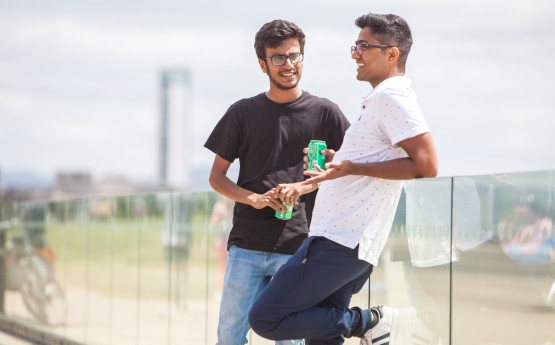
x=218, y=219
x=54, y=249
x=504, y=269
x=220, y=222
x=12, y=277
x=186, y=253
x=361, y=300
x=192, y=295
x=99, y=253
x=413, y=272
x=125, y=272
x=5, y=229
x=32, y=289
x=180, y=250
x=58, y=242
x=17, y=255
x=148, y=269
x=69, y=240
x=148, y=214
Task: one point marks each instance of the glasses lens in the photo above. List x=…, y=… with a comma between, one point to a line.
x=278, y=60
x=296, y=58
x=356, y=50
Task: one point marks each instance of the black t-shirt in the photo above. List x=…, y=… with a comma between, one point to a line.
x=268, y=138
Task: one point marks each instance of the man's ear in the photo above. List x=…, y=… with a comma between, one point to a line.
x=263, y=65
x=393, y=54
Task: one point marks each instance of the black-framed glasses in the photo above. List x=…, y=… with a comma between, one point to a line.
x=279, y=60
x=359, y=48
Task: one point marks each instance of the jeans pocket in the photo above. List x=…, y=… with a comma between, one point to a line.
x=314, y=248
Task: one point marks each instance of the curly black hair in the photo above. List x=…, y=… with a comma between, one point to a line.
x=389, y=29
x=274, y=33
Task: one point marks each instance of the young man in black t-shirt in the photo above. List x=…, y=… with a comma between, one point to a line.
x=267, y=133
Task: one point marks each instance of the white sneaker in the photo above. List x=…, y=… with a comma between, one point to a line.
x=385, y=331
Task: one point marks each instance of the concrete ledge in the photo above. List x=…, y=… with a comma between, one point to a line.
x=30, y=333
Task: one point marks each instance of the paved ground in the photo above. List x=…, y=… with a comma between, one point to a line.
x=6, y=339
x=93, y=319
x=492, y=305
x=151, y=323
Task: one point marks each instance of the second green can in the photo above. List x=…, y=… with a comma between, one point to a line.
x=286, y=215
x=314, y=155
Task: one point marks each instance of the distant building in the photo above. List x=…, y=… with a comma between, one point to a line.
x=73, y=182
x=25, y=194
x=78, y=184
x=174, y=147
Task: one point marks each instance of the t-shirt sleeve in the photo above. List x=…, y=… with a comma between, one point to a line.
x=400, y=116
x=225, y=139
x=337, y=128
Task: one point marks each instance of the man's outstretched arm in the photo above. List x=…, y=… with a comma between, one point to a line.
x=421, y=162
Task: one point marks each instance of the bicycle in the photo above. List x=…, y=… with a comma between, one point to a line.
x=31, y=271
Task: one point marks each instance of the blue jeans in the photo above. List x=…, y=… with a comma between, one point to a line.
x=309, y=296
x=246, y=274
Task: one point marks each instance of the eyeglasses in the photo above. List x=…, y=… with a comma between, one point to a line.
x=279, y=60
x=359, y=48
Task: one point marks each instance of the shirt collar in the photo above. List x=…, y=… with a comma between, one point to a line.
x=386, y=83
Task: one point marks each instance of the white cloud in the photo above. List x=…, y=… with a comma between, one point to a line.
x=127, y=45
x=15, y=102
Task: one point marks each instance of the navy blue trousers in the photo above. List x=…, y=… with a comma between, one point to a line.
x=309, y=296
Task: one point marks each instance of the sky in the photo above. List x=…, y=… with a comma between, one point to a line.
x=79, y=80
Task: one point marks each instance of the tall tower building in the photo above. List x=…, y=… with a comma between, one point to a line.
x=175, y=123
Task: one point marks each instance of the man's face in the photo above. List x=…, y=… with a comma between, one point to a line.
x=287, y=76
x=371, y=64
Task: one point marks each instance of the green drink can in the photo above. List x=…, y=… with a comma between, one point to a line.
x=287, y=215
x=314, y=155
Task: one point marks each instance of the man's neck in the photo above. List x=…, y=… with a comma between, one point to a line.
x=389, y=75
x=283, y=96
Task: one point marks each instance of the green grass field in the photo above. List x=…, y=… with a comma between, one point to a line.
x=126, y=258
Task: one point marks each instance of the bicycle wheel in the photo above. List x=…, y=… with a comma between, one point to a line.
x=32, y=289
x=55, y=306
x=41, y=293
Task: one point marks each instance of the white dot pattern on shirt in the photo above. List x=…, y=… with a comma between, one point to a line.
x=366, y=205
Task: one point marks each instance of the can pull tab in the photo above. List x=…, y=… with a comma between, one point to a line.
x=303, y=273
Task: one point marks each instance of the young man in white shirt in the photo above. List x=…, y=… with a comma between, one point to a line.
x=360, y=188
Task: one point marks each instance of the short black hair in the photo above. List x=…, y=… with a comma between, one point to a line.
x=389, y=29
x=274, y=33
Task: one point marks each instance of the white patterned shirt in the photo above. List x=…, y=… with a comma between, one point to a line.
x=358, y=209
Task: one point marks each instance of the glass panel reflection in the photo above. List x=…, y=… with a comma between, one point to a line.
x=470, y=260
x=501, y=286
x=415, y=264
